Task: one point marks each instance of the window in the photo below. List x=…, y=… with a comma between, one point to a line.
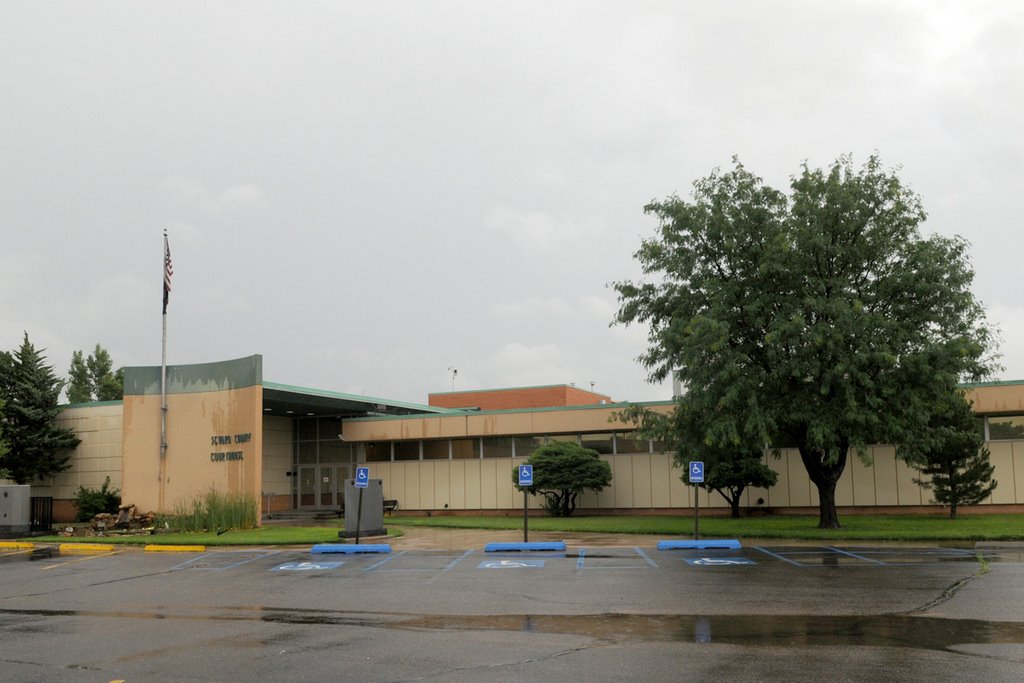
x=465, y=449
x=306, y=429
x=378, y=451
x=435, y=450
x=498, y=447
x=526, y=445
x=1006, y=427
x=334, y=451
x=407, y=450
x=629, y=442
x=307, y=453
x=602, y=443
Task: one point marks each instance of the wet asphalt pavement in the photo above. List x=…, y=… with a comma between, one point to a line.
x=438, y=608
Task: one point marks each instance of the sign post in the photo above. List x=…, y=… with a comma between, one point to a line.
x=526, y=479
x=362, y=481
x=696, y=470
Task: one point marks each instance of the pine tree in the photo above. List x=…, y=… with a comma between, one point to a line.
x=954, y=458
x=4, y=474
x=37, y=446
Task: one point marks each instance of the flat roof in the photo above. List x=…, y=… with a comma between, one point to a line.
x=293, y=401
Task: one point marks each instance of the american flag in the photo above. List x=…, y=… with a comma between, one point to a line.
x=168, y=272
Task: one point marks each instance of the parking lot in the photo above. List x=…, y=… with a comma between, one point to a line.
x=799, y=612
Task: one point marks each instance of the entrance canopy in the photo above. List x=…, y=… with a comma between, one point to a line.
x=290, y=401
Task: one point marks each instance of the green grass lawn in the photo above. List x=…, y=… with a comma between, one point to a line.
x=863, y=527
x=855, y=528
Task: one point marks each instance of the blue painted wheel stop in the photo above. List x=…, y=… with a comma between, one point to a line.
x=727, y=543
x=505, y=547
x=350, y=549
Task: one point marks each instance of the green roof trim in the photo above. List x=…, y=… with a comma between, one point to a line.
x=359, y=398
x=552, y=409
x=993, y=383
x=198, y=378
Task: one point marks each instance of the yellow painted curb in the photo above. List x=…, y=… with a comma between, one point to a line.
x=16, y=544
x=175, y=548
x=85, y=548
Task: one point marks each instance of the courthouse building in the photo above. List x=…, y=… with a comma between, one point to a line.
x=230, y=430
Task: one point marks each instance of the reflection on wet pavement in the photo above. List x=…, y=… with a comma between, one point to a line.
x=762, y=630
x=773, y=630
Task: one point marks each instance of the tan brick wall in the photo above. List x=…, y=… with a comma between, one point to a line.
x=96, y=458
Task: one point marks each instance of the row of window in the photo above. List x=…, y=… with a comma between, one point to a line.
x=317, y=442
x=503, y=447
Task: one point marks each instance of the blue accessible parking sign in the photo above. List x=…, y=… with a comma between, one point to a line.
x=362, y=477
x=696, y=472
x=526, y=475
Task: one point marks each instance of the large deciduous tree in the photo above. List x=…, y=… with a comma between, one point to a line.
x=561, y=471
x=93, y=378
x=953, y=457
x=37, y=446
x=822, y=318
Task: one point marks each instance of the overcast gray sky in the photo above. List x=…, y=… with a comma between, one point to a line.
x=371, y=193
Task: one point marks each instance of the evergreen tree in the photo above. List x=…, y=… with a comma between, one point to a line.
x=37, y=447
x=93, y=378
x=954, y=457
x=4, y=474
x=5, y=373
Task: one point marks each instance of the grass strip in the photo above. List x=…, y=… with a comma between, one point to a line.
x=908, y=528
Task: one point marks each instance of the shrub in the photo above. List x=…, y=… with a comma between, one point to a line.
x=216, y=511
x=91, y=502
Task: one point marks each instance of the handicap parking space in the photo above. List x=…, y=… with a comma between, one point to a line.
x=417, y=562
x=615, y=558
x=223, y=560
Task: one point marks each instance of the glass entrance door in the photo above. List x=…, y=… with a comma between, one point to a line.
x=308, y=488
x=328, y=486
x=318, y=486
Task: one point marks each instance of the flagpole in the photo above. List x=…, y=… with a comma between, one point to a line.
x=163, y=375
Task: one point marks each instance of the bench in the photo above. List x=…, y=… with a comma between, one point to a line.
x=389, y=507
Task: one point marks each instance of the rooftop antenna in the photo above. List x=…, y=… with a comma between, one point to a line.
x=454, y=371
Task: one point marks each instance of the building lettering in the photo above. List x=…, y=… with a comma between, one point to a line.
x=228, y=439
x=230, y=455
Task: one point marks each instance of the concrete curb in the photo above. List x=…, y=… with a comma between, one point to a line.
x=16, y=545
x=85, y=548
x=175, y=548
x=524, y=546
x=725, y=543
x=351, y=549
